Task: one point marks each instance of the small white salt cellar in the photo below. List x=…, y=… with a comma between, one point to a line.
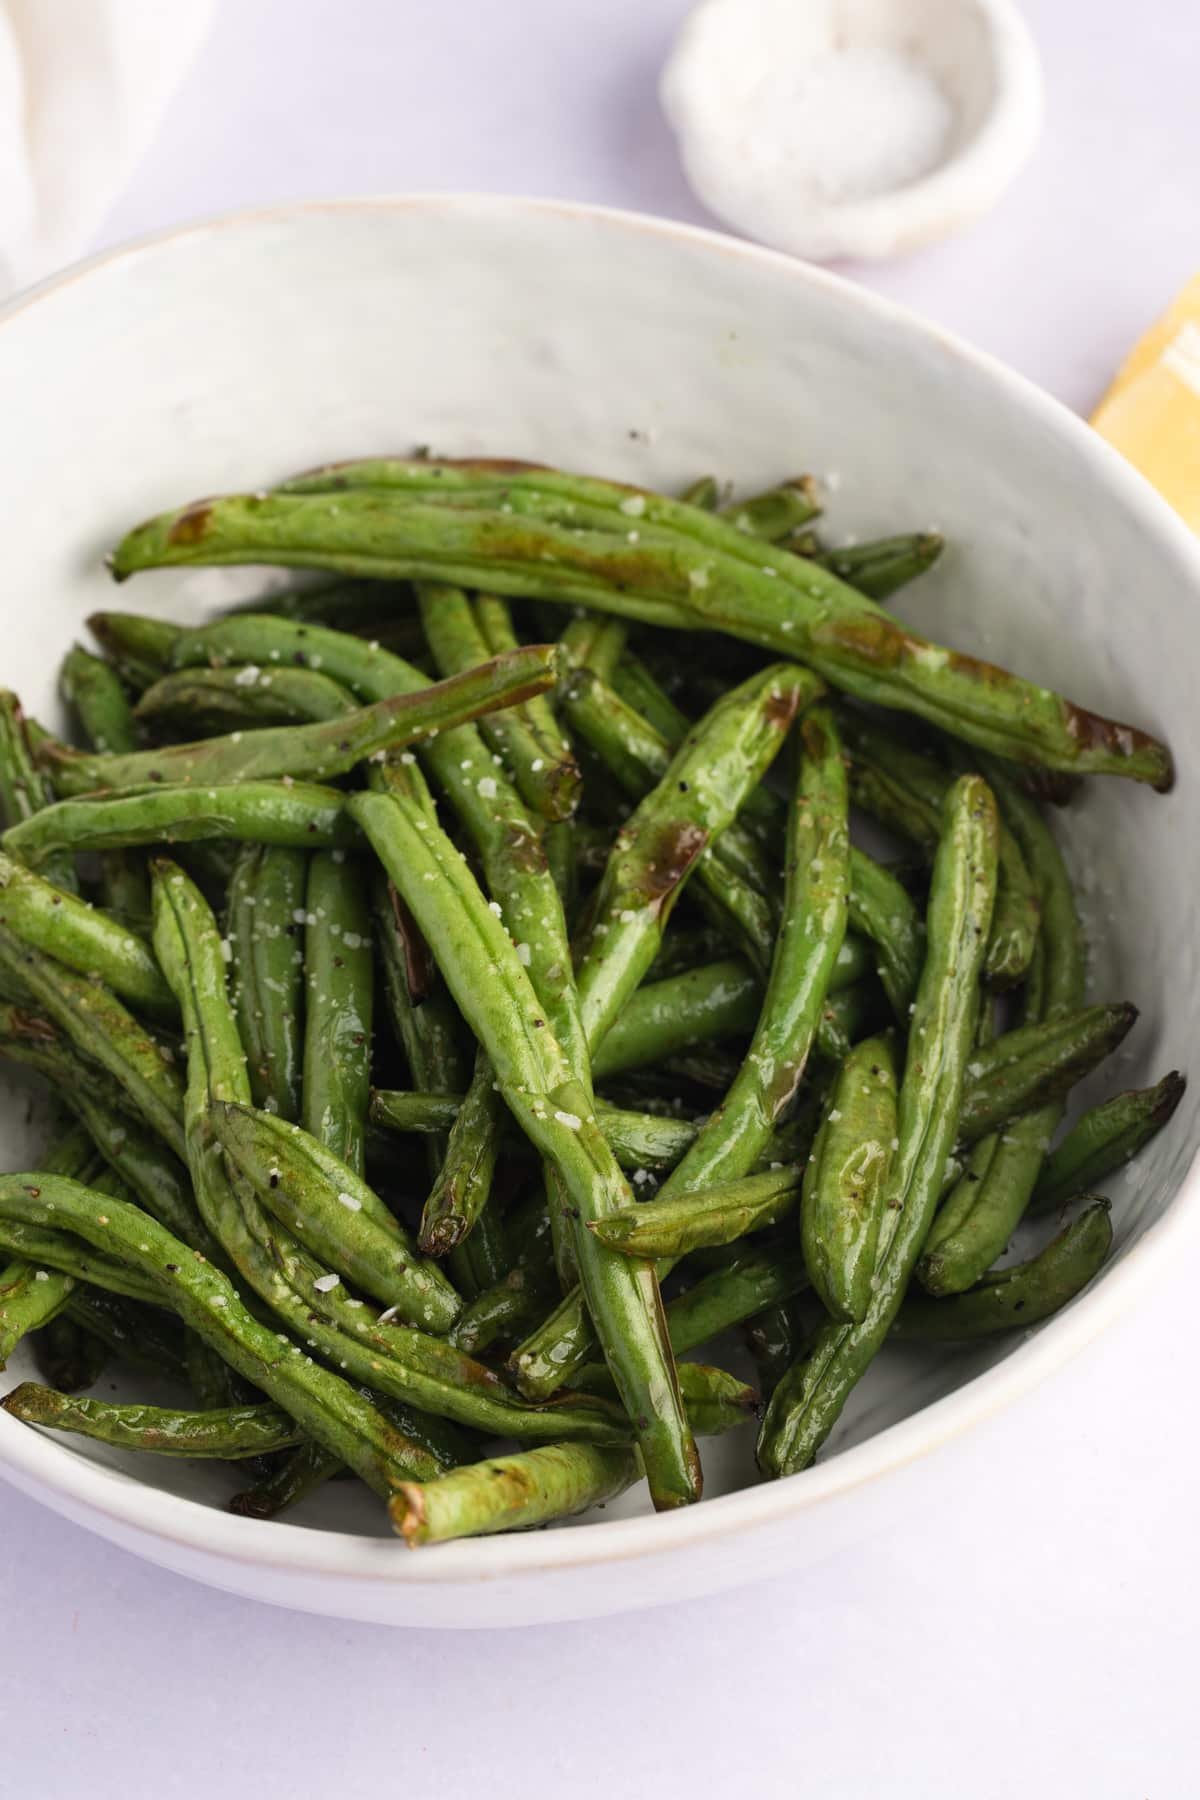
x=852, y=128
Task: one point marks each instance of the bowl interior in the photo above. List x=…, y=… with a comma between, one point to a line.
x=229, y=355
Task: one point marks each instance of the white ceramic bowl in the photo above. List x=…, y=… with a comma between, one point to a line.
x=227, y=354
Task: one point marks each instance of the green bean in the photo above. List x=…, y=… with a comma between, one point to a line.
x=697, y=797
x=704, y=492
x=227, y=1433
x=635, y=684
x=146, y=1166
x=93, y=690
x=666, y=1017
x=487, y=978
x=980, y=1215
x=883, y=911
x=327, y=1407
x=774, y=514
x=299, y=815
x=138, y=648
x=464, y=1183
x=883, y=565
x=24, y=789
x=510, y=1493
x=51, y=919
x=593, y=642
x=335, y=1214
x=529, y=743
x=846, y=1180
x=737, y=885
x=906, y=791
x=716, y=1401
x=566, y=538
x=502, y=1311
x=731, y=1141
x=245, y=699
x=328, y=747
x=29, y=1298
x=58, y=1250
x=1015, y=1298
x=715, y=1215
x=266, y=914
x=99, y=1025
x=807, y=1402
x=1105, y=1139
x=392, y=1359
x=305, y=1470
x=1036, y=1064
x=814, y=923
x=338, y=1006
x=728, y=1296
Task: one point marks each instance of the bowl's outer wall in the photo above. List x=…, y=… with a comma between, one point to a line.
x=230, y=355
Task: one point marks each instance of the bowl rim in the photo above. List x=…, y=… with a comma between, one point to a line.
x=52, y=1472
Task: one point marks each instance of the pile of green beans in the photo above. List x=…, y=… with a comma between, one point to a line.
x=448, y=1049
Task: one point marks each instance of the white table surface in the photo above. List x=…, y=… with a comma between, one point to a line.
x=1037, y=1635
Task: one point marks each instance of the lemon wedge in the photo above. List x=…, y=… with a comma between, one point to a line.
x=1151, y=413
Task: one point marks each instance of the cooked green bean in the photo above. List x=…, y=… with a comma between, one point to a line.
x=339, y=991
x=93, y=690
x=699, y=794
x=29, y=1298
x=731, y=1141
x=488, y=980
x=566, y=538
x=883, y=911
x=49, y=918
x=773, y=1340
x=1035, y=1064
x=725, y=1297
x=326, y=1406
x=774, y=514
x=308, y=1467
x=331, y=1209
x=719, y=1214
x=24, y=789
x=299, y=815
x=806, y=1404
x=510, y=1493
x=716, y=1401
x=221, y=700
x=463, y=1184
x=68, y=1354
x=144, y=1335
x=392, y=1359
x=1105, y=1139
x=227, y=1433
x=530, y=744
x=880, y=567
x=1015, y=1298
x=265, y=920
x=906, y=791
x=94, y=1019
x=737, y=884
x=328, y=747
x=138, y=648
x=846, y=1179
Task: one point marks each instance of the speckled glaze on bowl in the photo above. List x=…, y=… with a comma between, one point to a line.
x=227, y=354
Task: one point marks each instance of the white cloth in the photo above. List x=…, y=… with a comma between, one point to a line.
x=83, y=86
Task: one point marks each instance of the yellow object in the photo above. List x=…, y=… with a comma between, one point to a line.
x=1151, y=413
